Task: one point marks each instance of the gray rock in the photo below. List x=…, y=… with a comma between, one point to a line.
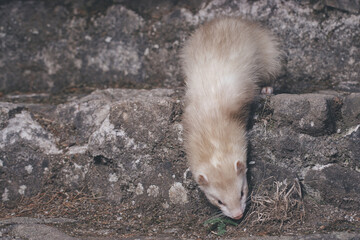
x=116, y=140
x=25, y=147
x=104, y=44
x=59, y=50
x=39, y=232
x=336, y=185
x=113, y=48
x=349, y=86
x=325, y=236
x=330, y=236
x=310, y=114
x=299, y=130
x=351, y=110
x=127, y=144
x=347, y=5
x=27, y=220
x=22, y=127
x=23, y=171
x=130, y=144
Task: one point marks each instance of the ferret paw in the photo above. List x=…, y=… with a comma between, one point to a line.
x=267, y=90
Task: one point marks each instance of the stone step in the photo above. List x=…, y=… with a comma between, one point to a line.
x=125, y=148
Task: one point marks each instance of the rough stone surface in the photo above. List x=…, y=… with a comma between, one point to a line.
x=27, y=220
x=336, y=184
x=351, y=109
x=23, y=171
x=120, y=151
x=24, y=152
x=347, y=5
x=39, y=232
x=33, y=229
x=60, y=49
x=310, y=114
x=125, y=146
x=114, y=138
x=80, y=45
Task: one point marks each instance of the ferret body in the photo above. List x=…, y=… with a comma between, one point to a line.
x=223, y=61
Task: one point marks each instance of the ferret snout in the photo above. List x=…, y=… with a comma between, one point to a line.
x=237, y=215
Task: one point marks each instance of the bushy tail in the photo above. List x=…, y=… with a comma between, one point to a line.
x=269, y=58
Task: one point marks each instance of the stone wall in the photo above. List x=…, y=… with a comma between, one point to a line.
x=64, y=45
x=125, y=146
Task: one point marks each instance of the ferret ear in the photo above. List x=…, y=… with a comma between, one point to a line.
x=202, y=180
x=240, y=167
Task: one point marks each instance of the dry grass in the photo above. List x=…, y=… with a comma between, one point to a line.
x=49, y=203
x=92, y=213
x=275, y=209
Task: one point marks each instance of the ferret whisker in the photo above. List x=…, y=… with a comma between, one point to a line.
x=217, y=215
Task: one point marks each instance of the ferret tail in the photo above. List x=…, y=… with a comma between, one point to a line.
x=255, y=71
x=269, y=58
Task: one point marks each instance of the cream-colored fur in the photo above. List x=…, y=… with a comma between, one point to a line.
x=223, y=61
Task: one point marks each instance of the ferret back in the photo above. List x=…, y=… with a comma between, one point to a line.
x=224, y=59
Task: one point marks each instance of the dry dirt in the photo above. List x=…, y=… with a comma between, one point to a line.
x=274, y=209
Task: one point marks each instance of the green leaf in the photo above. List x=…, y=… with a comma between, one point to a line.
x=221, y=229
x=220, y=224
x=212, y=221
x=229, y=221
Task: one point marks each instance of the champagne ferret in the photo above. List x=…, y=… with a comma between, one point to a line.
x=223, y=62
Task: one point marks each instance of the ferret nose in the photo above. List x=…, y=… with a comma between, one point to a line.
x=238, y=216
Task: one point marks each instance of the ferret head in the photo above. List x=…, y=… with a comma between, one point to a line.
x=225, y=186
x=216, y=151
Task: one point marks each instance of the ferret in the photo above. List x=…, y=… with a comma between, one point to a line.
x=223, y=62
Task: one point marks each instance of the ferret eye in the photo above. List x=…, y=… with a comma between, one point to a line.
x=220, y=202
x=242, y=194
